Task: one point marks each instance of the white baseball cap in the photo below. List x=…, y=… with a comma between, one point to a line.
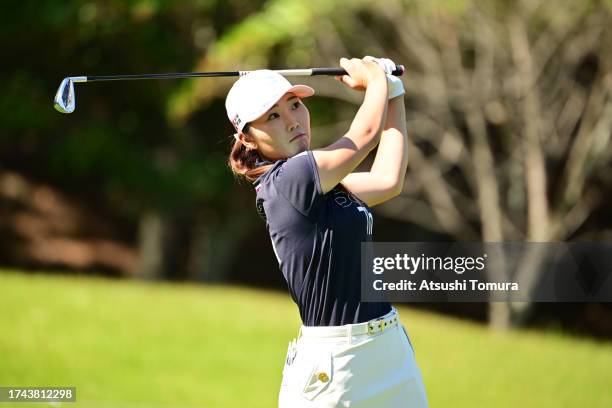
x=256, y=92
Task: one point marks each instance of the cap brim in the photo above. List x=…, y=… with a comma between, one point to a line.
x=302, y=91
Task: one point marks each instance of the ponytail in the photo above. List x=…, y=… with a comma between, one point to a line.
x=243, y=161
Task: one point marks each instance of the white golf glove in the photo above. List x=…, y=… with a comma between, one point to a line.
x=394, y=83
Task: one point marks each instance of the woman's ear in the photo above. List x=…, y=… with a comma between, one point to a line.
x=248, y=141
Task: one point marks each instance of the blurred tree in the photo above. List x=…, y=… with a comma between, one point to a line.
x=512, y=111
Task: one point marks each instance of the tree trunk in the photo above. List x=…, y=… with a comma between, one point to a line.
x=150, y=246
x=214, y=245
x=499, y=316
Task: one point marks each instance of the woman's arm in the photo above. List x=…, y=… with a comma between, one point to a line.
x=386, y=177
x=336, y=161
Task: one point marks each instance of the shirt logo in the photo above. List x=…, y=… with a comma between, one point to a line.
x=343, y=199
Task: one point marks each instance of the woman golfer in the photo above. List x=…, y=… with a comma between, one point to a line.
x=317, y=211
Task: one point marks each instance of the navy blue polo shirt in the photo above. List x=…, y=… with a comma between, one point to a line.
x=317, y=241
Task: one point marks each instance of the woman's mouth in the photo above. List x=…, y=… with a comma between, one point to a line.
x=297, y=137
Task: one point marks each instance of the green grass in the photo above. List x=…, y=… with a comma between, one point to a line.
x=135, y=344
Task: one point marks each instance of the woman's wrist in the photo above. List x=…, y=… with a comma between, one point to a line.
x=377, y=83
x=377, y=75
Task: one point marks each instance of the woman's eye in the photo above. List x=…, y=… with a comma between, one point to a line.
x=272, y=115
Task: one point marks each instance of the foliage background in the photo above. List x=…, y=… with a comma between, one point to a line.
x=509, y=108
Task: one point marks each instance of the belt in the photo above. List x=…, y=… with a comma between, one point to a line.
x=373, y=326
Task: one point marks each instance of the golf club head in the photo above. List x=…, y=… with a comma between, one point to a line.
x=64, y=101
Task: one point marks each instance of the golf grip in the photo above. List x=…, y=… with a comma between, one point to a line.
x=399, y=71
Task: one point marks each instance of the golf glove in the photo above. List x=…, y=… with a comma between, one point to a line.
x=394, y=84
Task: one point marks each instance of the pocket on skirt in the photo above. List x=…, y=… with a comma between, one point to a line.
x=408, y=338
x=319, y=376
x=289, y=357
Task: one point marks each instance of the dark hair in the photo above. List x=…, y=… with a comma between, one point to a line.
x=243, y=161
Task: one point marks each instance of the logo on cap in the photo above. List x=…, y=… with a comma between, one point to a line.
x=236, y=121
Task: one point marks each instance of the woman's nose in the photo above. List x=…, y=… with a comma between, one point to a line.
x=292, y=123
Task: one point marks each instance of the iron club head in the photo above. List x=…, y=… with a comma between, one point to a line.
x=64, y=101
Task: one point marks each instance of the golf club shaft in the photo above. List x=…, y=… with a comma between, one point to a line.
x=64, y=100
x=285, y=72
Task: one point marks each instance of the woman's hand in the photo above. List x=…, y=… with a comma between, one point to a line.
x=386, y=64
x=395, y=84
x=361, y=73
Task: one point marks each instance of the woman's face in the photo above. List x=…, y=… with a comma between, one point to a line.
x=282, y=132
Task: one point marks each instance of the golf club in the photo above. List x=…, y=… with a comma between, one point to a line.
x=65, y=102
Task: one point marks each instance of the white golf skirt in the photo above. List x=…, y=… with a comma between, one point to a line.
x=354, y=365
